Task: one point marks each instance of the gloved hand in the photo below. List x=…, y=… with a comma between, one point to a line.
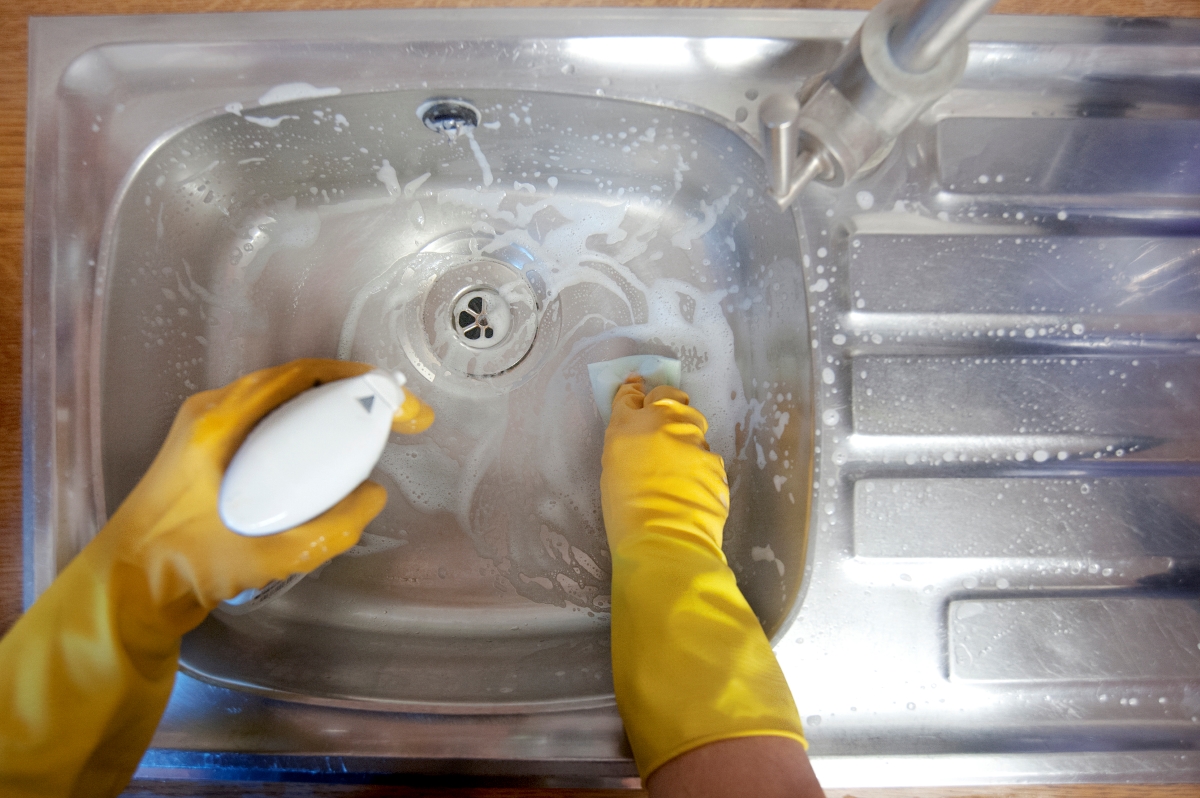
x=413, y=416
x=691, y=664
x=86, y=673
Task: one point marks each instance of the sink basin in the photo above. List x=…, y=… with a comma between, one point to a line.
x=955, y=399
x=344, y=226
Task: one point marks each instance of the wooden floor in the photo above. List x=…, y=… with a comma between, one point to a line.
x=13, y=20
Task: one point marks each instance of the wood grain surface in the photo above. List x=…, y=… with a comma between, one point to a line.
x=166, y=789
x=13, y=21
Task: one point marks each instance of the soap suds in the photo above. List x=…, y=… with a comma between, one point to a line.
x=765, y=554
x=287, y=92
x=268, y=121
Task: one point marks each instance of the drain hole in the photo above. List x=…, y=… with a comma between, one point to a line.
x=482, y=317
x=448, y=116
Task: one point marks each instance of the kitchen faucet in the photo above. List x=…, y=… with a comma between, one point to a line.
x=906, y=55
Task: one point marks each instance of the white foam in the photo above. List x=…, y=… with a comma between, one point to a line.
x=765, y=554
x=268, y=121
x=287, y=92
x=484, y=166
x=410, y=188
x=370, y=543
x=696, y=228
x=387, y=176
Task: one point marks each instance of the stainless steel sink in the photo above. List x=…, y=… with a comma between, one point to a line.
x=981, y=356
x=345, y=226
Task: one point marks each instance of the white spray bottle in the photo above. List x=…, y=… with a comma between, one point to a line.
x=304, y=457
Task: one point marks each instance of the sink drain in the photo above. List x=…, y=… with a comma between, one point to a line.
x=482, y=318
x=462, y=312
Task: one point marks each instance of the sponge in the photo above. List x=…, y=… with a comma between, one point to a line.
x=608, y=375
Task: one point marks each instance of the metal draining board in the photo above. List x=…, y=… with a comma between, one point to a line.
x=1008, y=497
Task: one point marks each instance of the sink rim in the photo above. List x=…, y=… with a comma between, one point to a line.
x=55, y=41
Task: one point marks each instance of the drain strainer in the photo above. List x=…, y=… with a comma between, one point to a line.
x=463, y=313
x=482, y=318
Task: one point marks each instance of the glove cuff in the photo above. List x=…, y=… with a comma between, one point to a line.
x=691, y=663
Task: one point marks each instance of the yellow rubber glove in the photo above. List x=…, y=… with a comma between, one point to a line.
x=691, y=664
x=413, y=416
x=86, y=673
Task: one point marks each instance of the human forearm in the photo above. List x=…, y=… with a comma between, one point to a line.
x=749, y=767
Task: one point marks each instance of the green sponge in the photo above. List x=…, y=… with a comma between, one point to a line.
x=608, y=375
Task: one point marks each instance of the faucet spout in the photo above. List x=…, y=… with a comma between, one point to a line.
x=791, y=169
x=906, y=55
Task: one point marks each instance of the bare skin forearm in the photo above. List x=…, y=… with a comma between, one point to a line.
x=755, y=767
